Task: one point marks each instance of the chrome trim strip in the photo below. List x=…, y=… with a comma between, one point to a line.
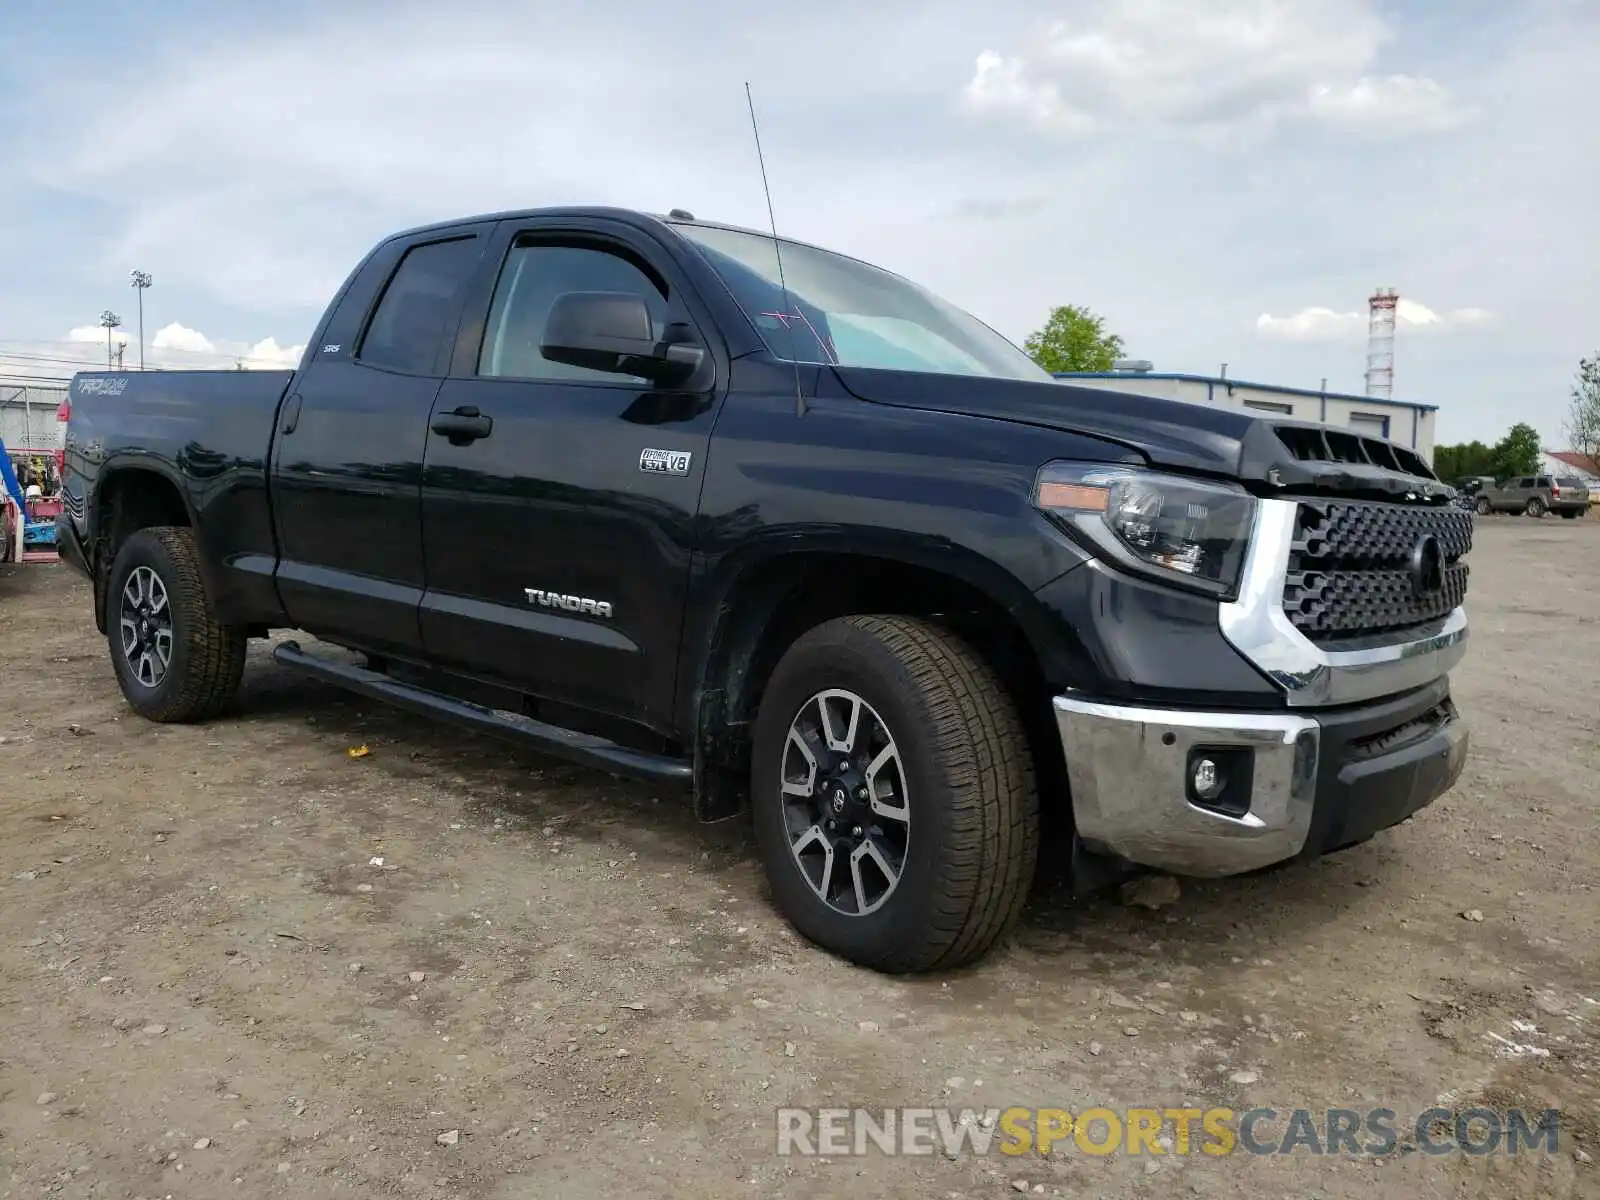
x=1257, y=627
x=1126, y=767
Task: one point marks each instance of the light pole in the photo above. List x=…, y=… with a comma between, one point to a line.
x=140, y=280
x=110, y=320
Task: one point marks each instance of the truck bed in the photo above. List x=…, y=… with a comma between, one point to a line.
x=209, y=432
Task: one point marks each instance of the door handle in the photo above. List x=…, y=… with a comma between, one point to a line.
x=463, y=425
x=291, y=414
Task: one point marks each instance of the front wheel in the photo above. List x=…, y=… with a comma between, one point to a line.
x=1483, y=506
x=1535, y=507
x=173, y=660
x=894, y=797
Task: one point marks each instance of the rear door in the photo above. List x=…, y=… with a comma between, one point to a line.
x=557, y=543
x=347, y=461
x=1572, y=490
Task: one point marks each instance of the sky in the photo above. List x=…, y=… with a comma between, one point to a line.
x=1225, y=181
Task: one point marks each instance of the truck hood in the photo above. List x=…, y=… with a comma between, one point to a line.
x=1272, y=452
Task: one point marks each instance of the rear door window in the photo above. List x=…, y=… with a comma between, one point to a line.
x=419, y=309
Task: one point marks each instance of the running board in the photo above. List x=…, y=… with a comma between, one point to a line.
x=582, y=748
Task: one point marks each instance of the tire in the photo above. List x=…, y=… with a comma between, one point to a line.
x=963, y=775
x=1535, y=507
x=1571, y=514
x=204, y=660
x=1483, y=507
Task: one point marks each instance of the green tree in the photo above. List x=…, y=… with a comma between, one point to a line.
x=1582, y=425
x=1518, y=453
x=1469, y=458
x=1073, y=339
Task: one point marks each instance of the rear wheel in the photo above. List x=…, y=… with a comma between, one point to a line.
x=894, y=795
x=173, y=661
x=1571, y=514
x=1535, y=507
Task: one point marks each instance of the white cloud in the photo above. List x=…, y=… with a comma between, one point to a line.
x=181, y=337
x=1420, y=316
x=96, y=334
x=1318, y=324
x=1394, y=104
x=174, y=347
x=268, y=353
x=1315, y=324
x=1217, y=65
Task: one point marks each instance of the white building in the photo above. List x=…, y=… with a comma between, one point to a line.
x=1569, y=463
x=1398, y=420
x=28, y=417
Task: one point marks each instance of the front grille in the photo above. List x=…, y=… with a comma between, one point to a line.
x=1350, y=574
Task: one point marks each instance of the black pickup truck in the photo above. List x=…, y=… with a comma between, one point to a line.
x=688, y=503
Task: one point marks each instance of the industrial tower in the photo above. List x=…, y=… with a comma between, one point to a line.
x=1380, y=343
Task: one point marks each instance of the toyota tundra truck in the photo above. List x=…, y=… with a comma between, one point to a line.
x=696, y=505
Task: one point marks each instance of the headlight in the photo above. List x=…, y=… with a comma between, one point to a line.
x=1180, y=530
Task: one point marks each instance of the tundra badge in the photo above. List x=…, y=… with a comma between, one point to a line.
x=665, y=462
x=577, y=604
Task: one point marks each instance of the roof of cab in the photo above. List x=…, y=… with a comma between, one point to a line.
x=630, y=216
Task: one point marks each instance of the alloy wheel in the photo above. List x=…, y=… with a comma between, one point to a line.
x=144, y=623
x=845, y=802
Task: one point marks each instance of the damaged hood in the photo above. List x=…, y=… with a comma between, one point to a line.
x=1269, y=452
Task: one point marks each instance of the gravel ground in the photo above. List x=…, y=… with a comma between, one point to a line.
x=557, y=984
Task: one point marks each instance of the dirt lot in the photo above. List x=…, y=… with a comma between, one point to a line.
x=209, y=988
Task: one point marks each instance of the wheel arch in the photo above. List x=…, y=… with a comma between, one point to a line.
x=767, y=600
x=131, y=493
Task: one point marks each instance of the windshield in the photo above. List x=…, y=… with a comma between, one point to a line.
x=845, y=312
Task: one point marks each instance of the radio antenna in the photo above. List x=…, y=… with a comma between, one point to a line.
x=787, y=318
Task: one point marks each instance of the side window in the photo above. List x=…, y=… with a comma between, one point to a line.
x=1271, y=406
x=413, y=317
x=1525, y=482
x=1544, y=481
x=531, y=279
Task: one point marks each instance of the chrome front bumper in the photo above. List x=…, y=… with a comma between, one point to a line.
x=1127, y=768
x=1320, y=772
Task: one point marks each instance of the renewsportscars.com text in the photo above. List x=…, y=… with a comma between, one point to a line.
x=840, y=1132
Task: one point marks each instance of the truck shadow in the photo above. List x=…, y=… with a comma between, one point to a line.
x=1213, y=920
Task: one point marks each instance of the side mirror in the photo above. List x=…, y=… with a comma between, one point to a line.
x=612, y=331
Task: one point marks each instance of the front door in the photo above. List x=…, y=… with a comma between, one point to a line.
x=347, y=459
x=557, y=525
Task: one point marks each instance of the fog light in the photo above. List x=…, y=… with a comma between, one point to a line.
x=1208, y=779
x=1220, y=778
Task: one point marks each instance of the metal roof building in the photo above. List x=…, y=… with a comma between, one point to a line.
x=1398, y=420
x=28, y=416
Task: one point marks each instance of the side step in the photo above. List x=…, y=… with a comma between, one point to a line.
x=583, y=748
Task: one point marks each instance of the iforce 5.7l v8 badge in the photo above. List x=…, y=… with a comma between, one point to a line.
x=665, y=462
